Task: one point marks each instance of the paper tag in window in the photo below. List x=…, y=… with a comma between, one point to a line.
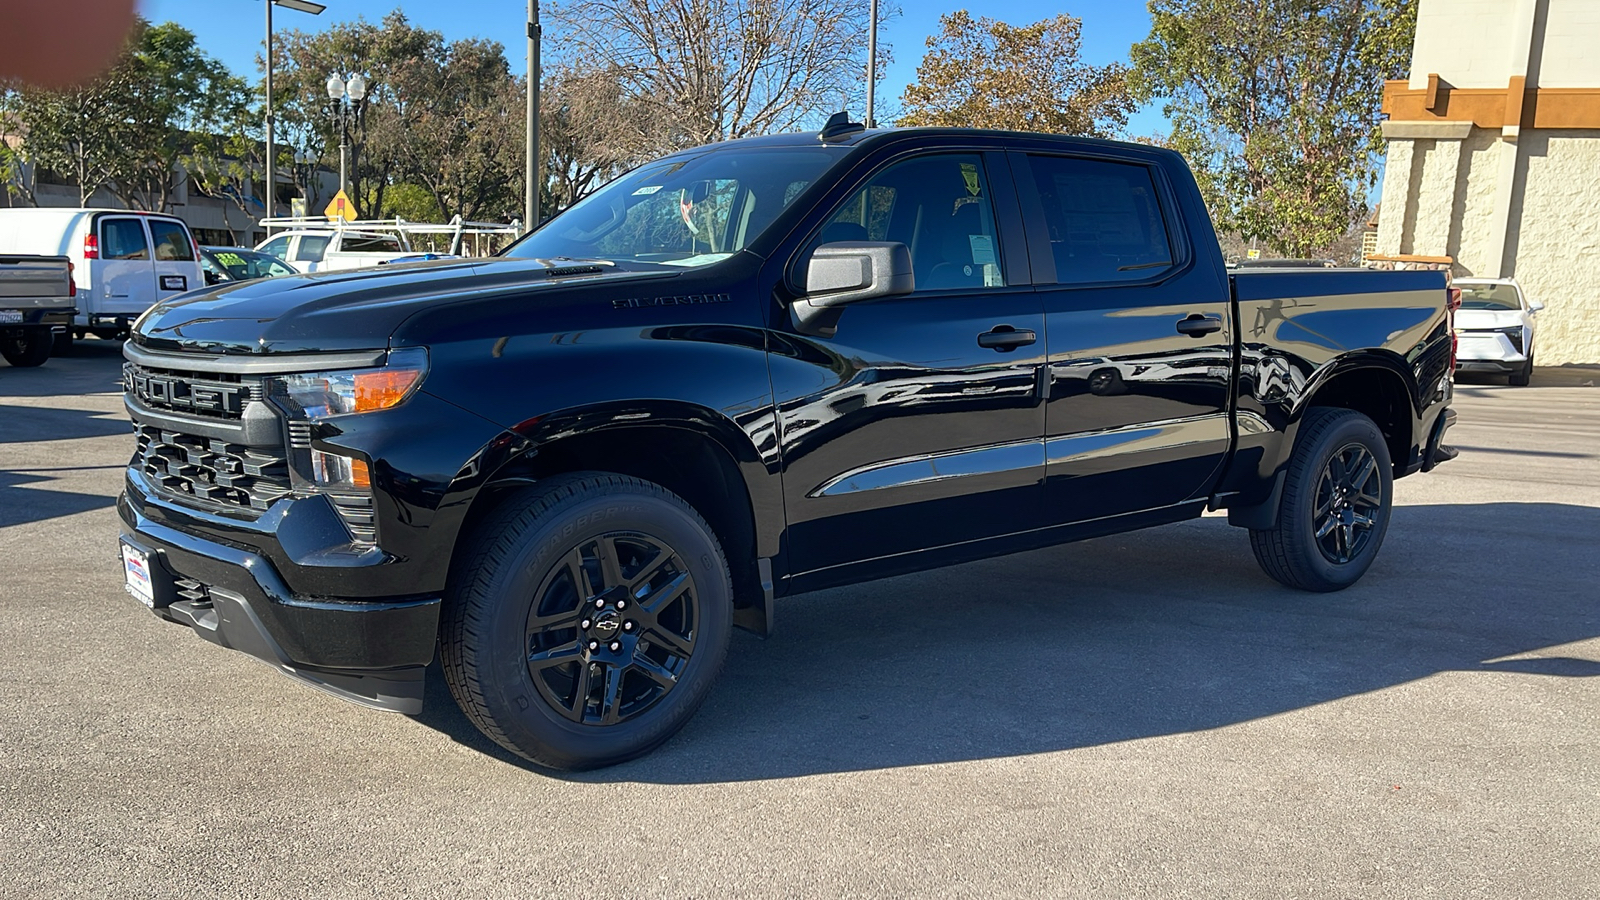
x=982, y=248
x=991, y=276
x=647, y=190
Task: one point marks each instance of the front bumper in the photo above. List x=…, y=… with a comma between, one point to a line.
x=372, y=652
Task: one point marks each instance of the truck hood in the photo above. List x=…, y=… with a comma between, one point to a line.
x=347, y=310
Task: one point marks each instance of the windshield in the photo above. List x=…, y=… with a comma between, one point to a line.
x=243, y=265
x=1489, y=296
x=681, y=212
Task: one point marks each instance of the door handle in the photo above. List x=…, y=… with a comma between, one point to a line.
x=1197, y=325
x=1004, y=338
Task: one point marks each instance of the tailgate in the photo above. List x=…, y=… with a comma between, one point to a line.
x=35, y=282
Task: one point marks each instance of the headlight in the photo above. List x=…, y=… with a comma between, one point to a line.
x=313, y=396
x=318, y=395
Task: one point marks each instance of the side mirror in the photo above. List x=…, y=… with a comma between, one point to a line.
x=848, y=272
x=213, y=278
x=1535, y=305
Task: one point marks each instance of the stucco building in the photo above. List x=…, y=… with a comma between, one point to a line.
x=1494, y=156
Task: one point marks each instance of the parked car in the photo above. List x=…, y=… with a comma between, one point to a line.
x=1495, y=325
x=37, y=297
x=123, y=262
x=327, y=249
x=224, y=264
x=742, y=372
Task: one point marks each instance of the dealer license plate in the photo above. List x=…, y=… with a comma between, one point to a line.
x=136, y=566
x=10, y=317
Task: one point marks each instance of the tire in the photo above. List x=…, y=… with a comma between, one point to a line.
x=61, y=344
x=26, y=347
x=1522, y=378
x=1331, y=442
x=554, y=675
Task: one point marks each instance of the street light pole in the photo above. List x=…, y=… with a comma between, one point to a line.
x=347, y=96
x=531, y=192
x=270, y=202
x=872, y=61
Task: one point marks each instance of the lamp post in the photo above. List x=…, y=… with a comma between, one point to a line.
x=872, y=60
x=270, y=202
x=347, y=100
x=531, y=191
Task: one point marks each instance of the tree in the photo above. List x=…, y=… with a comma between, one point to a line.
x=1275, y=103
x=981, y=73
x=712, y=70
x=445, y=117
x=590, y=131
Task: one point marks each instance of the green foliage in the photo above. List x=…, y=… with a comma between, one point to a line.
x=1275, y=104
x=409, y=201
x=981, y=73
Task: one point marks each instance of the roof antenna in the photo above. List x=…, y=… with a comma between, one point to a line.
x=839, y=127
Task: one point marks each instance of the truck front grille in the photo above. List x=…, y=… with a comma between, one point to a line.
x=210, y=470
x=210, y=395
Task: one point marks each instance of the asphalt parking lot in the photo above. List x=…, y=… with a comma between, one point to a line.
x=1138, y=716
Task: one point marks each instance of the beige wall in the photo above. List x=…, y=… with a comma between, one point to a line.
x=1553, y=245
x=1508, y=199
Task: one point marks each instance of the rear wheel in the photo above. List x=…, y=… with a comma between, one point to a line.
x=1525, y=375
x=587, y=620
x=26, y=347
x=1337, y=496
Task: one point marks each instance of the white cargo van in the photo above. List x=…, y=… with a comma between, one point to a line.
x=124, y=262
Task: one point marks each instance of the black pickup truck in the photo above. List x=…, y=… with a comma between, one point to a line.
x=738, y=373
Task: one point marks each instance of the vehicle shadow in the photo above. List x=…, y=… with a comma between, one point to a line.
x=27, y=424
x=95, y=367
x=20, y=505
x=1153, y=633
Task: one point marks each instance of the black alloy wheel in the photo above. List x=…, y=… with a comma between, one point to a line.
x=1337, y=493
x=612, y=628
x=586, y=618
x=1349, y=503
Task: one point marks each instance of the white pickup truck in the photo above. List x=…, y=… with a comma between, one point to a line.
x=332, y=249
x=317, y=245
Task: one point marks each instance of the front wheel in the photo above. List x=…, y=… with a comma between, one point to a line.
x=1522, y=377
x=586, y=619
x=26, y=347
x=1337, y=496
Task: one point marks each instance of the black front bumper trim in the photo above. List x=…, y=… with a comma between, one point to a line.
x=372, y=653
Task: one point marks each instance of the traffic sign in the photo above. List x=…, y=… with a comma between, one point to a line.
x=341, y=207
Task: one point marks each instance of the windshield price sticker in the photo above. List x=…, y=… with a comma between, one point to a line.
x=647, y=190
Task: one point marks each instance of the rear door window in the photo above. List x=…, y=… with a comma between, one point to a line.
x=370, y=244
x=1105, y=219
x=123, y=239
x=312, y=247
x=172, y=241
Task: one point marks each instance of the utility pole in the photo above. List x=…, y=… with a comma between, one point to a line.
x=531, y=193
x=269, y=199
x=872, y=62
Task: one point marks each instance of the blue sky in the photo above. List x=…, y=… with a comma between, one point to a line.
x=231, y=30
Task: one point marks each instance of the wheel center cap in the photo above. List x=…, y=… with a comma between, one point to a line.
x=606, y=625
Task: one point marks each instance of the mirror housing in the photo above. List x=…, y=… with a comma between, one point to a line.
x=1535, y=305
x=848, y=272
